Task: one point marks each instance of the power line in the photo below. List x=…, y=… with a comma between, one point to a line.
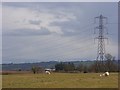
x=71, y=42
x=73, y=51
x=113, y=23
x=66, y=43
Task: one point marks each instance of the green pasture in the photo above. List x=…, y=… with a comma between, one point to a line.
x=60, y=80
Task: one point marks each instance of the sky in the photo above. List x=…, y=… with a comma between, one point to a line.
x=59, y=0
x=55, y=31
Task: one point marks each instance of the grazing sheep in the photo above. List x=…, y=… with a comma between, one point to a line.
x=100, y=75
x=105, y=74
x=47, y=72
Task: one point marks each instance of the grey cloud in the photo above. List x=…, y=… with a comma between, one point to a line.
x=73, y=27
x=84, y=12
x=35, y=22
x=18, y=4
x=85, y=19
x=27, y=32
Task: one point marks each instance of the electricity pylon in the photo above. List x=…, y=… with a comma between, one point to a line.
x=101, y=42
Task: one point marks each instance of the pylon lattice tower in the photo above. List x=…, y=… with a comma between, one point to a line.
x=101, y=40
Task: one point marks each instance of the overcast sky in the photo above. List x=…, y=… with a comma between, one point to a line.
x=35, y=32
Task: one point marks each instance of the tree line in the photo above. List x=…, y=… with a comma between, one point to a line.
x=108, y=64
x=36, y=69
x=98, y=66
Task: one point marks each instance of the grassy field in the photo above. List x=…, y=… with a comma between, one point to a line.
x=60, y=80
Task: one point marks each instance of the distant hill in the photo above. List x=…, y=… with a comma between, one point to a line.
x=50, y=64
x=28, y=66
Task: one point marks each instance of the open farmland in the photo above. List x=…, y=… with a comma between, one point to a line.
x=60, y=80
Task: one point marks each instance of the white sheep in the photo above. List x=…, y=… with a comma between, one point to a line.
x=47, y=72
x=105, y=74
